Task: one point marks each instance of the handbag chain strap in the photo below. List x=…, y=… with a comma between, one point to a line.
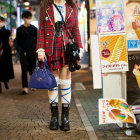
x=72, y=39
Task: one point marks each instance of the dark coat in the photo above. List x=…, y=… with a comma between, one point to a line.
x=26, y=39
x=6, y=66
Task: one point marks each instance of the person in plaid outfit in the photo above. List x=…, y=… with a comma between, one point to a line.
x=51, y=44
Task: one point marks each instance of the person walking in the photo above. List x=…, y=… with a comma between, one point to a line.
x=51, y=44
x=6, y=66
x=26, y=46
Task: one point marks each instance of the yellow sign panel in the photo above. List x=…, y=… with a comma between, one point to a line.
x=92, y=4
x=113, y=51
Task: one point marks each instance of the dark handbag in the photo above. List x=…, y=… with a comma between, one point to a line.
x=72, y=48
x=42, y=78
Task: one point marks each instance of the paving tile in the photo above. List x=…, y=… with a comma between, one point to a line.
x=89, y=100
x=27, y=117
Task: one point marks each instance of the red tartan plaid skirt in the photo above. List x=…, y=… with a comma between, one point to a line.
x=58, y=59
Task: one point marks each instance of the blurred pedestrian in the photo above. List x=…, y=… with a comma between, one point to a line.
x=26, y=45
x=52, y=41
x=6, y=66
x=17, y=57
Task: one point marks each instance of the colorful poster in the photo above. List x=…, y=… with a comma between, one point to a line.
x=92, y=4
x=133, y=79
x=108, y=3
x=136, y=72
x=133, y=20
x=113, y=52
x=115, y=111
x=110, y=20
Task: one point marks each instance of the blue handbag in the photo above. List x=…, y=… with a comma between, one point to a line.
x=42, y=78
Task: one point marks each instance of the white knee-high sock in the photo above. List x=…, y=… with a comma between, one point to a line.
x=66, y=94
x=65, y=91
x=53, y=93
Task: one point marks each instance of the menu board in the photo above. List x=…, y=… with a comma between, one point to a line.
x=115, y=111
x=133, y=79
x=113, y=51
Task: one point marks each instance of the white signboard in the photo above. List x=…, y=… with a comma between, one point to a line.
x=96, y=62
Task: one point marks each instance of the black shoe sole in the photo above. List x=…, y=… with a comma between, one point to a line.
x=65, y=128
x=54, y=127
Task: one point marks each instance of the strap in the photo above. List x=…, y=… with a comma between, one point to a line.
x=60, y=12
x=72, y=39
x=45, y=64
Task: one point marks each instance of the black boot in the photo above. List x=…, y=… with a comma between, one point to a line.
x=65, y=126
x=54, y=123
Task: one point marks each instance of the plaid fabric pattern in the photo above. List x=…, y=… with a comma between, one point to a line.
x=58, y=59
x=46, y=33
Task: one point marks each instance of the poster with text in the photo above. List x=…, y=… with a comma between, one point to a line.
x=108, y=3
x=115, y=111
x=133, y=79
x=136, y=72
x=110, y=20
x=133, y=20
x=113, y=51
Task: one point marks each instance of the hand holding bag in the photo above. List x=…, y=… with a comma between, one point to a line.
x=42, y=78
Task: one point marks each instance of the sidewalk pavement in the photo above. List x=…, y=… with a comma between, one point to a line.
x=89, y=101
x=26, y=117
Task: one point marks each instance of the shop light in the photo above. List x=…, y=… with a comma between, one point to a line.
x=26, y=3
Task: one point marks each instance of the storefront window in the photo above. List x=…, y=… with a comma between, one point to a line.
x=8, y=10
